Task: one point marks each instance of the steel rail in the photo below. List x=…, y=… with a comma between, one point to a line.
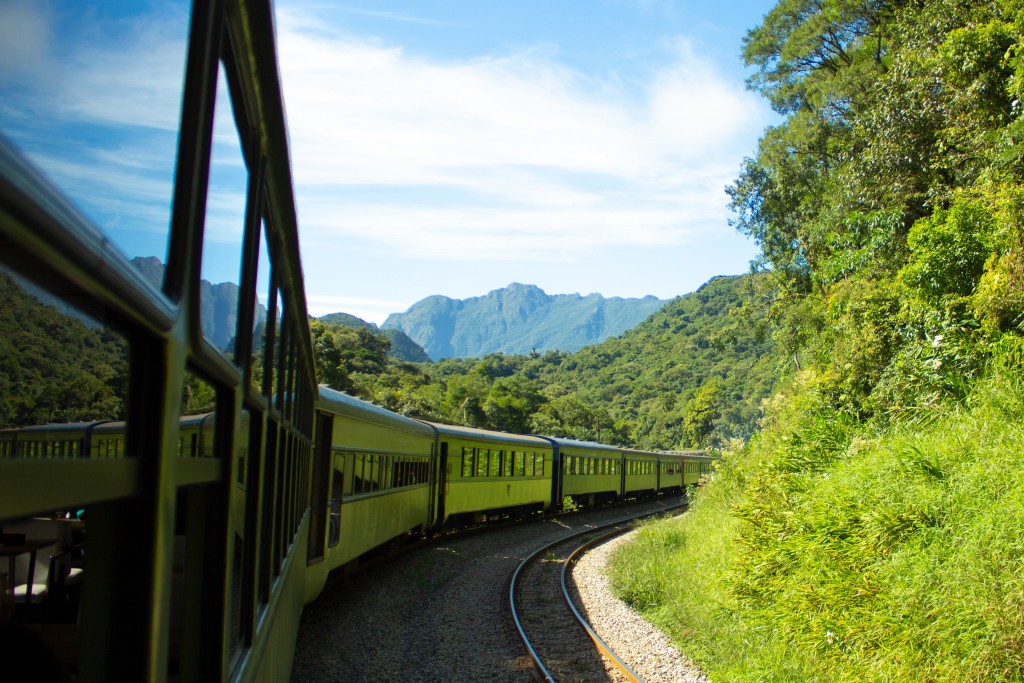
x=514, y=586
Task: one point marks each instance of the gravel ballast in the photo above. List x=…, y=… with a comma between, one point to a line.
x=645, y=648
x=438, y=613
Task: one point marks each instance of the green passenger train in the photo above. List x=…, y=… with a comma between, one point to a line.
x=378, y=477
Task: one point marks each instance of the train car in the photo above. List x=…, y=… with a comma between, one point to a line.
x=639, y=473
x=58, y=440
x=107, y=440
x=589, y=473
x=696, y=465
x=670, y=473
x=379, y=471
x=484, y=474
x=195, y=435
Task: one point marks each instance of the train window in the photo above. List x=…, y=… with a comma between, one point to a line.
x=468, y=461
x=61, y=364
x=540, y=465
x=482, y=456
x=225, y=221
x=102, y=121
x=357, y=473
x=520, y=464
x=259, y=321
x=506, y=464
x=494, y=466
x=272, y=340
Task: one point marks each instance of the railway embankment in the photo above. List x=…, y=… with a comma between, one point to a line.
x=834, y=550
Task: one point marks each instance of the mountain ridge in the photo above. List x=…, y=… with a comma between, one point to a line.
x=517, y=319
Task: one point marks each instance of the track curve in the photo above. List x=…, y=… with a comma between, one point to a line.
x=565, y=656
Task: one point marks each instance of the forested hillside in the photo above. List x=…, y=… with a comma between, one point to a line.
x=54, y=367
x=692, y=375
x=402, y=347
x=871, y=530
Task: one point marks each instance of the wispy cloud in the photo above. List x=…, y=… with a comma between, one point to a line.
x=539, y=155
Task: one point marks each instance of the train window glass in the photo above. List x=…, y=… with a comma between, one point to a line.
x=196, y=425
x=225, y=222
x=529, y=458
x=520, y=463
x=539, y=464
x=482, y=456
x=259, y=332
x=60, y=365
x=270, y=334
x=96, y=107
x=275, y=346
x=506, y=464
x=494, y=469
x=334, y=525
x=468, y=461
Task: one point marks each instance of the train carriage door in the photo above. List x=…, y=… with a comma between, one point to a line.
x=432, y=488
x=442, y=481
x=320, y=507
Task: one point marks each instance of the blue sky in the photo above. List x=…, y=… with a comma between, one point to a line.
x=438, y=147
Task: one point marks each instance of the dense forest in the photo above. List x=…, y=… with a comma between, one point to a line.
x=871, y=529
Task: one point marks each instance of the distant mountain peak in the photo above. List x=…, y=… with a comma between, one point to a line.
x=518, y=319
x=402, y=347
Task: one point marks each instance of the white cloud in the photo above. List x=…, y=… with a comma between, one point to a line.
x=369, y=309
x=536, y=155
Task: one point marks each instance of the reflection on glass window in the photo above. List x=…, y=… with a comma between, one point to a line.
x=259, y=333
x=57, y=365
x=225, y=221
x=91, y=93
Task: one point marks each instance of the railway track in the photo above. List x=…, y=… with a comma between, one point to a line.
x=561, y=643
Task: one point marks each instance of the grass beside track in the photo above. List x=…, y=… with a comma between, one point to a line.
x=823, y=551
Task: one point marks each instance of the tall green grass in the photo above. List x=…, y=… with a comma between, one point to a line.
x=823, y=551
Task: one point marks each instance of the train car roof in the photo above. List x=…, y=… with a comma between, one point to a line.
x=638, y=451
x=357, y=409
x=489, y=435
x=199, y=418
x=111, y=426
x=57, y=427
x=575, y=443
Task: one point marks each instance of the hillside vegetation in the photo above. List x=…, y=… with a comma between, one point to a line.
x=691, y=375
x=871, y=530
